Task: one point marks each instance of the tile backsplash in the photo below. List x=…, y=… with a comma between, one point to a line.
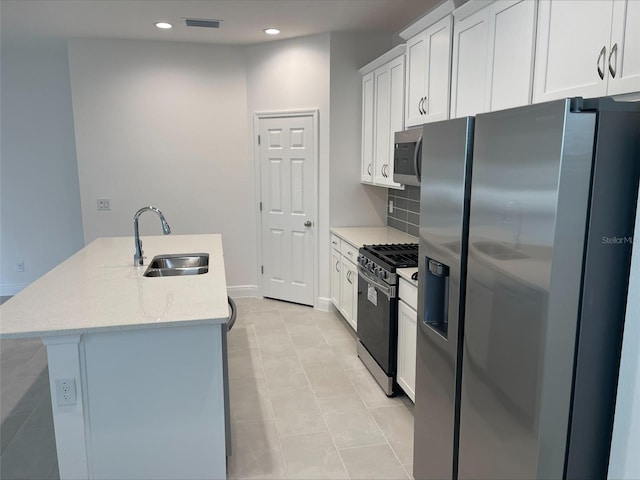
x=404, y=206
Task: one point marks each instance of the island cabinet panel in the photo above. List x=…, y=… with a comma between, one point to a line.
x=153, y=405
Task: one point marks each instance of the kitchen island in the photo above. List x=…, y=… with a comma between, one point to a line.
x=136, y=365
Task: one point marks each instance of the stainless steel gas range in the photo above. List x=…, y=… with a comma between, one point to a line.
x=378, y=308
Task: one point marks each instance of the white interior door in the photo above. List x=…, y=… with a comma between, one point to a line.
x=288, y=167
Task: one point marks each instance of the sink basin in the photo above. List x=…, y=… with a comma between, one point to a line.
x=498, y=251
x=178, y=264
x=174, y=272
x=180, y=260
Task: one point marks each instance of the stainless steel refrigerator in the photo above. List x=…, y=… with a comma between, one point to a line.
x=525, y=242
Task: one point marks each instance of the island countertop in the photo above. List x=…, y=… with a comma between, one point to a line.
x=99, y=289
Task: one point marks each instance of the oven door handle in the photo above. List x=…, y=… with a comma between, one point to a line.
x=388, y=291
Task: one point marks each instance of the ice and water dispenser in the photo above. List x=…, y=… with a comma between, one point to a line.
x=436, y=296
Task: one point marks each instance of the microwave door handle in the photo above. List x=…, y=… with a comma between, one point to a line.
x=417, y=159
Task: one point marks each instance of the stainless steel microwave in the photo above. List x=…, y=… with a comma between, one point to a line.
x=407, y=156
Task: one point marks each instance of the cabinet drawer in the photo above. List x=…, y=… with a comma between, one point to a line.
x=408, y=294
x=349, y=251
x=335, y=242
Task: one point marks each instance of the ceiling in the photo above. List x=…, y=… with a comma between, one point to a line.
x=243, y=21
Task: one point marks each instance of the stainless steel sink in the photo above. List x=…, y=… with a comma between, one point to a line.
x=498, y=251
x=178, y=264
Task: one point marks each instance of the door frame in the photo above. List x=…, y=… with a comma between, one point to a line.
x=257, y=116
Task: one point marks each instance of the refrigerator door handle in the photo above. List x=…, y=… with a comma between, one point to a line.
x=601, y=56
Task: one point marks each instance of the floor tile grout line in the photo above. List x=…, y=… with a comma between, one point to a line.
x=388, y=442
x=22, y=427
x=324, y=420
x=275, y=422
x=376, y=423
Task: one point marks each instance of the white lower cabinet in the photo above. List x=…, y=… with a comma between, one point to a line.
x=344, y=279
x=407, y=336
x=349, y=286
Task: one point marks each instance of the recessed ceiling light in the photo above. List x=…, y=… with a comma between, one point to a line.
x=271, y=31
x=164, y=25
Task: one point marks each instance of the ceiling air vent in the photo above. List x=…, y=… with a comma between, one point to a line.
x=201, y=22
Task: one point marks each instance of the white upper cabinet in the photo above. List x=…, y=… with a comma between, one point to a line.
x=428, y=74
x=367, y=128
x=587, y=48
x=383, y=85
x=493, y=45
x=624, y=54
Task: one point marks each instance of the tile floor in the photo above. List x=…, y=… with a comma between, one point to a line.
x=302, y=404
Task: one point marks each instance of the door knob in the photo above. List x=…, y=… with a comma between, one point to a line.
x=307, y=223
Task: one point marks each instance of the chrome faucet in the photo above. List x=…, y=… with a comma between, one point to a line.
x=166, y=229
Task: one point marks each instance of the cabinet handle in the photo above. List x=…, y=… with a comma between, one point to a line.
x=369, y=170
x=349, y=277
x=601, y=56
x=420, y=106
x=425, y=105
x=384, y=170
x=612, y=69
x=338, y=266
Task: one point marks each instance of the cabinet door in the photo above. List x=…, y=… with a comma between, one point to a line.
x=469, y=65
x=572, y=48
x=336, y=288
x=511, y=46
x=436, y=104
x=623, y=61
x=407, y=336
x=367, y=129
x=382, y=104
x=396, y=122
x=349, y=279
x=416, y=80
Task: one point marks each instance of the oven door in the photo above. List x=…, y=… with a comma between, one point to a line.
x=377, y=320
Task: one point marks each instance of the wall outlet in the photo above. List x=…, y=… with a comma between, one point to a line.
x=20, y=266
x=66, y=391
x=104, y=204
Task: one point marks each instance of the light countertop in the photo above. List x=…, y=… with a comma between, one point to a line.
x=406, y=274
x=99, y=289
x=359, y=236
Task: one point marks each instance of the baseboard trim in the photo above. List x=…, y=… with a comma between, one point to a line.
x=11, y=289
x=324, y=304
x=239, y=291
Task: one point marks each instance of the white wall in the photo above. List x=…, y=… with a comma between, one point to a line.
x=165, y=124
x=349, y=52
x=294, y=75
x=625, y=446
x=41, y=222
x=321, y=72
